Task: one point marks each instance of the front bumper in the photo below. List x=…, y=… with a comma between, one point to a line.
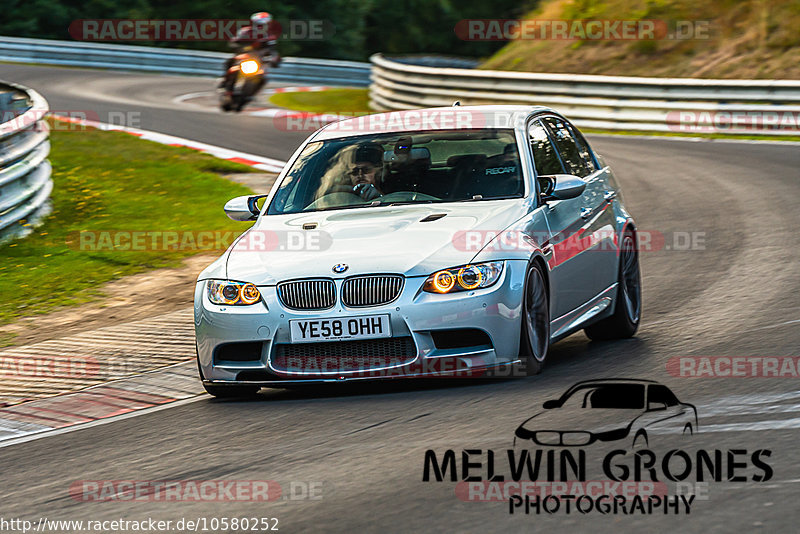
x=416, y=314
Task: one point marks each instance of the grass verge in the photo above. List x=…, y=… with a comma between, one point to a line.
x=709, y=39
x=327, y=101
x=111, y=181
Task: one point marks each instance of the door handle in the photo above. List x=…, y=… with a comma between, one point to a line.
x=610, y=195
x=586, y=213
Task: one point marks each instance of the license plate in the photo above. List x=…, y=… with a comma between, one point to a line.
x=364, y=327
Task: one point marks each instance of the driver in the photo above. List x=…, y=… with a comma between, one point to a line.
x=366, y=171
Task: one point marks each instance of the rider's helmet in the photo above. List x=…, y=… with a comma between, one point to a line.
x=260, y=19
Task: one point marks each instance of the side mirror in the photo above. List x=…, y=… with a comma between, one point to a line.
x=243, y=208
x=552, y=403
x=656, y=406
x=561, y=186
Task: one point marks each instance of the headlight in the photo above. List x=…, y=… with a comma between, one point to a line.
x=465, y=278
x=249, y=67
x=232, y=293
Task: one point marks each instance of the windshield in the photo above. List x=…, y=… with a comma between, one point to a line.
x=616, y=396
x=404, y=168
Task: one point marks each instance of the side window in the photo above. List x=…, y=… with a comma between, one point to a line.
x=567, y=147
x=544, y=154
x=659, y=393
x=583, y=148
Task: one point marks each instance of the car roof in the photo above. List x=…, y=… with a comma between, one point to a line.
x=441, y=118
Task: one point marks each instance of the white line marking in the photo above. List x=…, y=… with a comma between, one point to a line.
x=763, y=398
x=735, y=410
x=182, y=98
x=778, y=424
x=793, y=321
x=55, y=432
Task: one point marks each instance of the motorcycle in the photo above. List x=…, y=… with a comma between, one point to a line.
x=243, y=80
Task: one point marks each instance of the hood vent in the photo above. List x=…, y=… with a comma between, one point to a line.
x=433, y=217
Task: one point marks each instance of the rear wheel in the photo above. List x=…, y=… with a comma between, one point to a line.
x=628, y=307
x=535, y=321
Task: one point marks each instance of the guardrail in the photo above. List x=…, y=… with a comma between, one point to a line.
x=25, y=183
x=604, y=102
x=174, y=61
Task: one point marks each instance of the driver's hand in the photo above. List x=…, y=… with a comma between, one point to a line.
x=366, y=191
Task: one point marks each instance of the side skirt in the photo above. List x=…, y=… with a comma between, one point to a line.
x=597, y=308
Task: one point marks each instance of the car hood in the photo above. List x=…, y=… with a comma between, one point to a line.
x=391, y=239
x=581, y=419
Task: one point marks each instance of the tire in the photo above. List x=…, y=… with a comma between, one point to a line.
x=232, y=392
x=535, y=327
x=628, y=304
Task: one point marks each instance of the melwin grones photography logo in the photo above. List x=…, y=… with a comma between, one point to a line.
x=614, y=446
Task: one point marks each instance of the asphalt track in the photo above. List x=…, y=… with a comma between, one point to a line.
x=736, y=295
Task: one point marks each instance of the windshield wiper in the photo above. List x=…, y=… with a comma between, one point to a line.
x=407, y=202
x=333, y=208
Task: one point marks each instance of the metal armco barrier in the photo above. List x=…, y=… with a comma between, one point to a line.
x=174, y=61
x=25, y=183
x=605, y=102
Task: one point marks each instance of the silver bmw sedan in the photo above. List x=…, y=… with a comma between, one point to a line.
x=455, y=241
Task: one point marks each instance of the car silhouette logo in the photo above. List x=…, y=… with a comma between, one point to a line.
x=609, y=410
x=340, y=268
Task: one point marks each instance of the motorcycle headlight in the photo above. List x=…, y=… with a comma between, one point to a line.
x=464, y=278
x=249, y=67
x=227, y=293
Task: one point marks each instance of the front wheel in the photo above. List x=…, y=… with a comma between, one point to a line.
x=535, y=321
x=628, y=306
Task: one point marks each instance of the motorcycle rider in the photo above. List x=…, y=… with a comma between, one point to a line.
x=260, y=37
